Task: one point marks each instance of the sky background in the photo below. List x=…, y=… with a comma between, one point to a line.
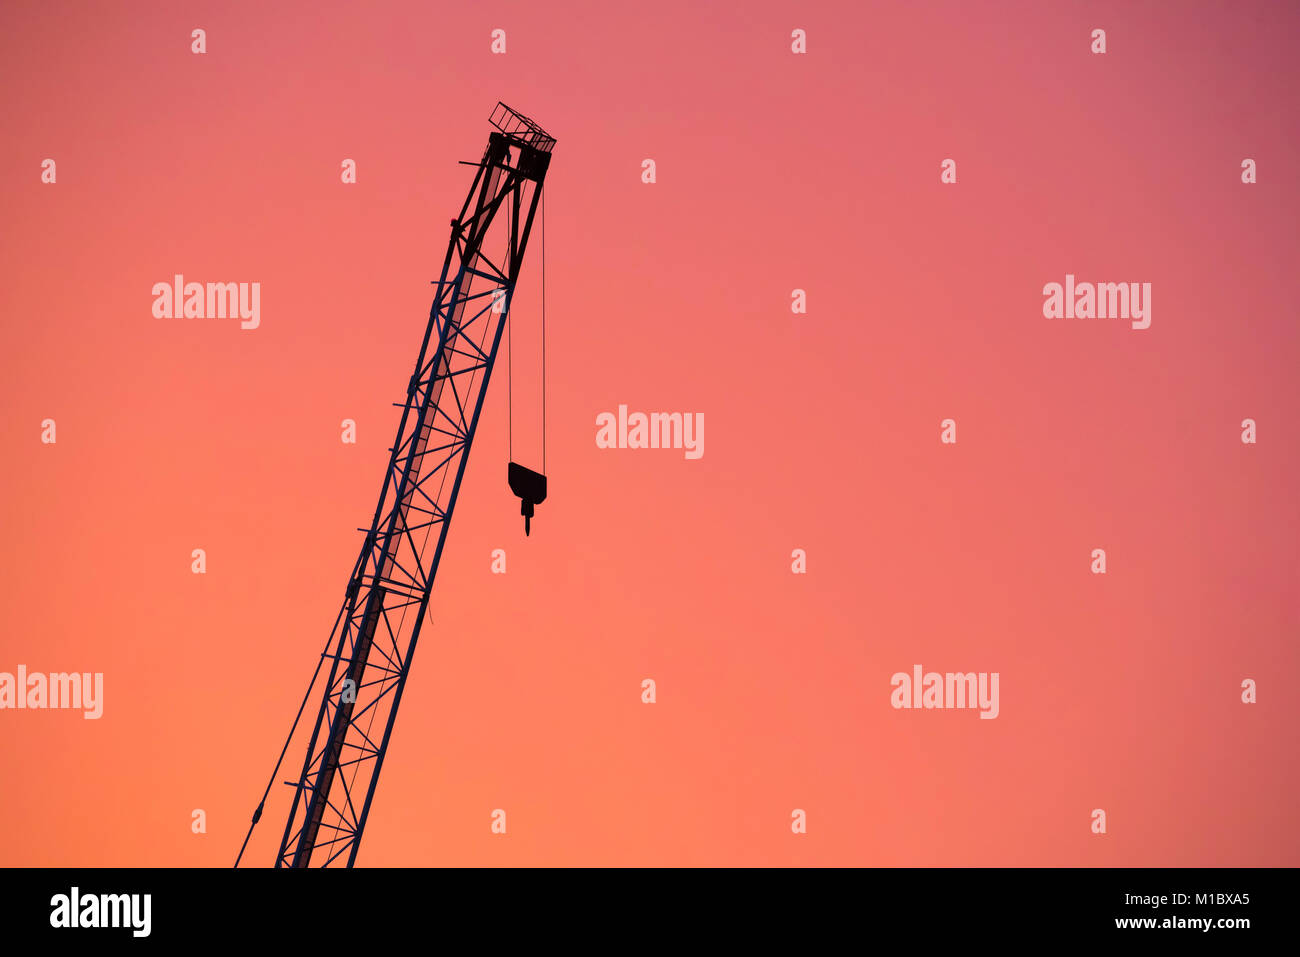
x=775, y=172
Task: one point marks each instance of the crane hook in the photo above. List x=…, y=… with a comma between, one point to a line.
x=530, y=486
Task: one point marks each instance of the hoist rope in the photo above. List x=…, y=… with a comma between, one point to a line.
x=510, y=361
x=510, y=385
x=543, y=332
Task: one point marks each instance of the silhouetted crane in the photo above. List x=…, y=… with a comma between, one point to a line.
x=373, y=640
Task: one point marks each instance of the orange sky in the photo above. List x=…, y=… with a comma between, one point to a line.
x=774, y=172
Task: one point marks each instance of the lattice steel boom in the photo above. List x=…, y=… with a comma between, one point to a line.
x=373, y=641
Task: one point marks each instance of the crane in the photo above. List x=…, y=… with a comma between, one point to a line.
x=372, y=643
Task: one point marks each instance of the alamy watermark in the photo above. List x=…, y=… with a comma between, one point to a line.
x=948, y=690
x=70, y=690
x=214, y=300
x=655, y=430
x=76, y=909
x=1102, y=300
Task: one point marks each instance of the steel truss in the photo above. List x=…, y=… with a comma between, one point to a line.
x=387, y=598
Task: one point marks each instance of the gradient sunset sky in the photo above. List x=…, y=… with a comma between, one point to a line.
x=775, y=172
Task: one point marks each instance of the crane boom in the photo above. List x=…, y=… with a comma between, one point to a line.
x=387, y=597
